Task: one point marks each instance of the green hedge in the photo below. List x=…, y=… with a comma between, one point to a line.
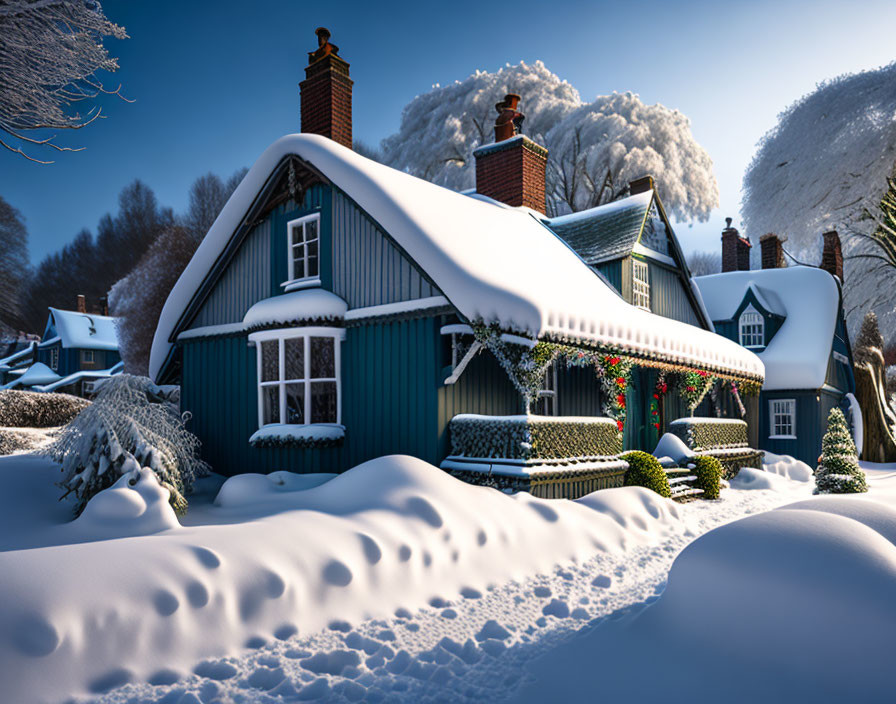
x=707, y=434
x=645, y=470
x=708, y=471
x=533, y=437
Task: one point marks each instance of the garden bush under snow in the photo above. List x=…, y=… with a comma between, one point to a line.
x=131, y=424
x=29, y=409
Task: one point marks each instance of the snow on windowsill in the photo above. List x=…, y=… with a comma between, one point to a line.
x=313, y=435
x=782, y=437
x=691, y=421
x=299, y=284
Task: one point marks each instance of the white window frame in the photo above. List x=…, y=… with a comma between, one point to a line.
x=302, y=278
x=54, y=358
x=338, y=335
x=88, y=357
x=786, y=409
x=751, y=329
x=640, y=284
x=548, y=391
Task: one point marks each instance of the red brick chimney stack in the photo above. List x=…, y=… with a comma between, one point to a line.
x=512, y=170
x=735, y=249
x=640, y=185
x=832, y=255
x=326, y=93
x=82, y=303
x=772, y=251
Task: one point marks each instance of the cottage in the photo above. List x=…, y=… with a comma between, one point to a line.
x=78, y=349
x=792, y=317
x=340, y=310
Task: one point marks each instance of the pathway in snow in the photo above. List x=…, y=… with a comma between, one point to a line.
x=472, y=649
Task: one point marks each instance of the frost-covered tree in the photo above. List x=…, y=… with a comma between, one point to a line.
x=130, y=424
x=208, y=194
x=13, y=264
x=825, y=166
x=50, y=54
x=703, y=263
x=595, y=148
x=839, y=471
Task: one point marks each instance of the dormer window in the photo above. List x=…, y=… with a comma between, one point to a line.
x=752, y=329
x=640, y=285
x=304, y=249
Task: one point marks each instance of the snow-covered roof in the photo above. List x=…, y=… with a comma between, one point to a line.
x=83, y=330
x=77, y=376
x=17, y=358
x=809, y=298
x=37, y=373
x=308, y=304
x=494, y=264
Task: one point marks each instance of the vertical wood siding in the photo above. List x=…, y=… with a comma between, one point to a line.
x=668, y=296
x=368, y=269
x=578, y=391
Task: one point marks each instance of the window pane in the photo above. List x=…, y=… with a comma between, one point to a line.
x=323, y=402
x=297, y=234
x=270, y=361
x=311, y=230
x=311, y=255
x=323, y=363
x=270, y=400
x=295, y=403
x=294, y=357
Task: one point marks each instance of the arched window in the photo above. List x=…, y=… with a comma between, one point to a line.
x=752, y=329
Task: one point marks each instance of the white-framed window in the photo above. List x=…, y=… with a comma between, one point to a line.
x=303, y=241
x=546, y=403
x=751, y=328
x=54, y=358
x=299, y=380
x=640, y=285
x=782, y=419
x=87, y=356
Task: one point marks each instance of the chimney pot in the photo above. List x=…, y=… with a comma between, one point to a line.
x=832, y=254
x=509, y=122
x=735, y=250
x=82, y=303
x=772, y=251
x=326, y=92
x=640, y=185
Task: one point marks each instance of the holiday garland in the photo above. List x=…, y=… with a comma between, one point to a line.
x=737, y=400
x=659, y=393
x=695, y=384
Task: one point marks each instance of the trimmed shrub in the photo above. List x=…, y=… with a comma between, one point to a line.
x=533, y=437
x=645, y=470
x=30, y=409
x=839, y=471
x=708, y=471
x=131, y=424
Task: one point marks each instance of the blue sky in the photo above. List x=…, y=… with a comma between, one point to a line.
x=215, y=82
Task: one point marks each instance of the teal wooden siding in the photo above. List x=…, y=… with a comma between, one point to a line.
x=368, y=268
x=391, y=375
x=612, y=270
x=578, y=391
x=318, y=199
x=812, y=408
x=667, y=294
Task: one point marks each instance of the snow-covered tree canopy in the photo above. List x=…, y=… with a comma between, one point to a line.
x=50, y=53
x=825, y=166
x=595, y=148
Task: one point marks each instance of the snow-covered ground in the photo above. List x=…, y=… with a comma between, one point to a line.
x=395, y=582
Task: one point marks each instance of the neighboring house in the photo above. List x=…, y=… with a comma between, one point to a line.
x=631, y=244
x=792, y=318
x=339, y=309
x=78, y=348
x=20, y=355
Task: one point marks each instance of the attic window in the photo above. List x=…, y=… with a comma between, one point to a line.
x=303, y=241
x=752, y=329
x=640, y=285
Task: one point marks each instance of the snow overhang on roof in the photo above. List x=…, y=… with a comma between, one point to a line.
x=494, y=264
x=309, y=305
x=84, y=330
x=809, y=298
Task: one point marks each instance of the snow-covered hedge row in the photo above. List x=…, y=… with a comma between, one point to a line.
x=710, y=433
x=12, y=441
x=533, y=437
x=131, y=424
x=29, y=409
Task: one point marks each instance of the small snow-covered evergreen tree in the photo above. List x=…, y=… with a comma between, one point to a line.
x=839, y=471
x=132, y=423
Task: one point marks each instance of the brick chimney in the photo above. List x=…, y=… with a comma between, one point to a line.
x=326, y=92
x=772, y=251
x=832, y=255
x=82, y=303
x=512, y=170
x=735, y=249
x=640, y=185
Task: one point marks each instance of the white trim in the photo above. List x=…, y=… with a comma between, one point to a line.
x=395, y=308
x=85, y=359
x=787, y=410
x=653, y=254
x=640, y=285
x=54, y=358
x=750, y=326
x=304, y=333
x=456, y=329
x=290, y=250
x=211, y=330
x=299, y=284
x=459, y=369
x=782, y=437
